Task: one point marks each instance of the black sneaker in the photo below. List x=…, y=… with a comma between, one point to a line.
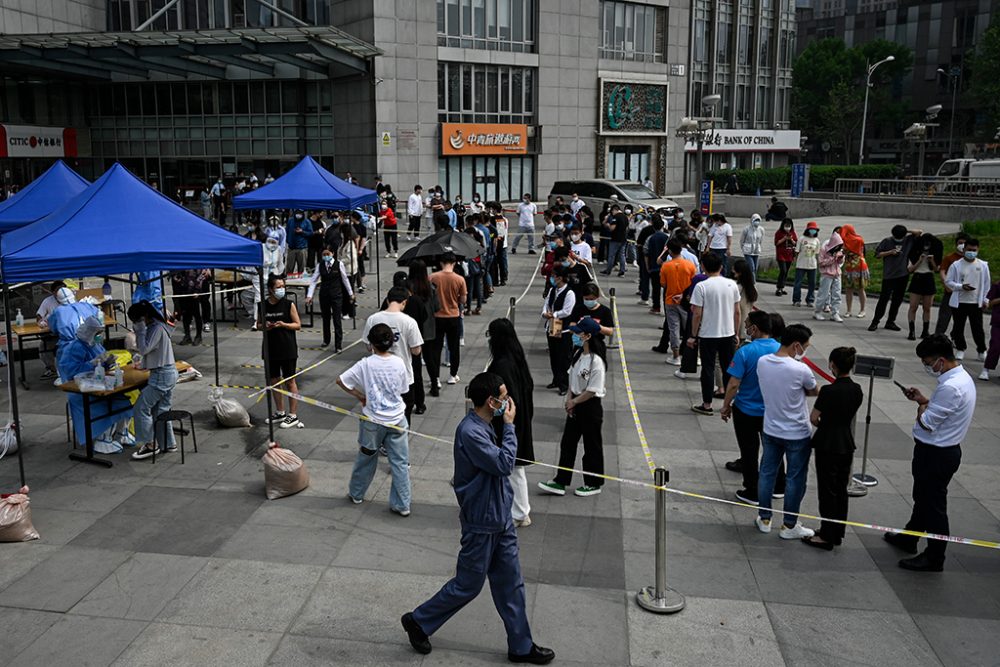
x=435, y=390
x=906, y=543
x=701, y=410
x=922, y=563
x=418, y=638
x=892, y=326
x=290, y=421
x=536, y=656
x=276, y=418
x=735, y=466
x=873, y=326
x=747, y=496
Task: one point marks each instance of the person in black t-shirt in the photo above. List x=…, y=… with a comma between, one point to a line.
x=282, y=321
x=577, y=275
x=833, y=415
x=589, y=305
x=617, y=227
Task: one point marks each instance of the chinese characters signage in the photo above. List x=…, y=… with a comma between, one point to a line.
x=32, y=141
x=483, y=139
x=633, y=108
x=748, y=141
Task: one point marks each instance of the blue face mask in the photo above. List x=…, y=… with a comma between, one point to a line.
x=279, y=293
x=551, y=245
x=971, y=254
x=577, y=340
x=590, y=303
x=498, y=412
x=328, y=259
x=566, y=263
x=552, y=281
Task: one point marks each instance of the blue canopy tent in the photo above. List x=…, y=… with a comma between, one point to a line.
x=307, y=186
x=118, y=225
x=42, y=196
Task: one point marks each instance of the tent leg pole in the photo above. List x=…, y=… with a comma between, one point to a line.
x=267, y=359
x=378, y=270
x=163, y=298
x=215, y=330
x=11, y=384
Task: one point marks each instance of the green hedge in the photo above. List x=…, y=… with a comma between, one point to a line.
x=821, y=176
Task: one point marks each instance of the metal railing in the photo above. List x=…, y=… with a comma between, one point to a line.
x=940, y=190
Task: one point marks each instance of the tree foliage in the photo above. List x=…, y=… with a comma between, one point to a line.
x=984, y=82
x=828, y=88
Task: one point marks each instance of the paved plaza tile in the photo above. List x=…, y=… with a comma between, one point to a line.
x=150, y=564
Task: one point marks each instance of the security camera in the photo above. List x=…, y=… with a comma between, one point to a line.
x=915, y=131
x=933, y=111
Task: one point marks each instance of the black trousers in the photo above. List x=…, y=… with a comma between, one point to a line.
x=833, y=474
x=331, y=306
x=944, y=315
x=414, y=225
x=192, y=309
x=656, y=301
x=689, y=355
x=893, y=291
x=448, y=329
x=205, y=301
x=933, y=468
x=748, y=434
x=972, y=313
x=418, y=381
x=710, y=348
x=783, y=268
x=586, y=422
x=560, y=349
x=408, y=402
x=391, y=240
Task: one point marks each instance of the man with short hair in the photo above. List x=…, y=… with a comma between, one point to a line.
x=941, y=424
x=452, y=294
x=785, y=382
x=715, y=306
x=894, y=251
x=526, y=212
x=675, y=277
x=616, y=225
x=944, y=310
x=969, y=281
x=407, y=340
x=652, y=248
x=489, y=540
x=777, y=212
x=745, y=404
x=557, y=309
x=415, y=211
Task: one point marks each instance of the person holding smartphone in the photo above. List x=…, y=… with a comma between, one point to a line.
x=924, y=260
x=969, y=281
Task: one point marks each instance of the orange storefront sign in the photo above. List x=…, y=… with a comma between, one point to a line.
x=483, y=139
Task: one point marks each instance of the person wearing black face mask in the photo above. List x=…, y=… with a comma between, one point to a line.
x=941, y=424
x=893, y=251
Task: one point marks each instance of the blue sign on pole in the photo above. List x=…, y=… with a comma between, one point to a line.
x=800, y=179
x=705, y=198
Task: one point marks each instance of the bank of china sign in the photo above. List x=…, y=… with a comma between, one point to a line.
x=749, y=141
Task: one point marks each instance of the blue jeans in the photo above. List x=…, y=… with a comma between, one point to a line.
x=796, y=454
x=396, y=443
x=153, y=401
x=753, y=261
x=809, y=274
x=616, y=255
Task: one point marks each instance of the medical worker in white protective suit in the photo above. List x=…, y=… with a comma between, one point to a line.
x=68, y=316
x=82, y=355
x=274, y=263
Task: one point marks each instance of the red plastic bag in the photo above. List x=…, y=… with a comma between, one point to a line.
x=15, y=518
x=284, y=472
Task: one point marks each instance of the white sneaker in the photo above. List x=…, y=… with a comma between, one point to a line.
x=674, y=361
x=454, y=379
x=819, y=316
x=981, y=356
x=861, y=315
x=797, y=532
x=682, y=375
x=763, y=525
x=208, y=328
x=837, y=318
x=388, y=255
x=395, y=255
x=985, y=375
x=643, y=302
x=960, y=354
x=461, y=341
x=846, y=315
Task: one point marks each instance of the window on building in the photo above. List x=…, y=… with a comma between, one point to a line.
x=701, y=41
x=725, y=33
x=764, y=103
x=630, y=31
x=786, y=54
x=764, y=54
x=495, y=25
x=485, y=93
x=745, y=45
x=127, y=15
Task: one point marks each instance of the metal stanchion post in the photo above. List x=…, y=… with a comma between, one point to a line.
x=659, y=599
x=513, y=310
x=611, y=338
x=863, y=477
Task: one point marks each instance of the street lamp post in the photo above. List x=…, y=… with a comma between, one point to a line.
x=864, y=114
x=696, y=129
x=953, y=80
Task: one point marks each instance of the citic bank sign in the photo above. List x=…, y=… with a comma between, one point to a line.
x=483, y=139
x=33, y=141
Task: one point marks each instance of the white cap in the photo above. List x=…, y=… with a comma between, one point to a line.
x=65, y=296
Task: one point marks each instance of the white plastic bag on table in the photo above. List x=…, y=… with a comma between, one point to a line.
x=15, y=518
x=284, y=472
x=228, y=412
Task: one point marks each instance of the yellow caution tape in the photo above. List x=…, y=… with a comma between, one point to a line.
x=628, y=391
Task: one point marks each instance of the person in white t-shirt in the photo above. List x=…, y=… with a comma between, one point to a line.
x=715, y=311
x=407, y=340
x=379, y=382
x=581, y=250
x=576, y=204
x=969, y=282
x=526, y=212
x=720, y=240
x=785, y=382
x=414, y=211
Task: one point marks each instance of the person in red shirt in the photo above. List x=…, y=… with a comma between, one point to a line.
x=387, y=218
x=784, y=252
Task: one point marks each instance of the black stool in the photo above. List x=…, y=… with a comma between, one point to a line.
x=175, y=416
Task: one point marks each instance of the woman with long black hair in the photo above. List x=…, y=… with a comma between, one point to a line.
x=507, y=360
x=422, y=288
x=584, y=413
x=742, y=273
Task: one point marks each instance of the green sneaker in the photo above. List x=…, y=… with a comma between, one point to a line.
x=552, y=487
x=584, y=491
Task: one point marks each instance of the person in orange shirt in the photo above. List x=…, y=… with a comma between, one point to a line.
x=675, y=276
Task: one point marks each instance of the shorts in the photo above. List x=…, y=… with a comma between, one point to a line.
x=922, y=284
x=283, y=368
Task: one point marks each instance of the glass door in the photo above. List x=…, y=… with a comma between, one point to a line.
x=630, y=163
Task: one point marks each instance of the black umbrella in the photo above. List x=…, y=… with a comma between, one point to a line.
x=435, y=245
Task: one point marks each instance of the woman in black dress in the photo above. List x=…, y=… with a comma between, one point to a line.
x=507, y=361
x=282, y=321
x=421, y=288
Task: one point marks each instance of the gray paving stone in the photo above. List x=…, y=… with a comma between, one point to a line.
x=582, y=624
x=283, y=544
x=63, y=579
x=21, y=557
x=75, y=641
x=800, y=583
x=141, y=587
x=299, y=651
x=20, y=628
x=243, y=595
x=184, y=645
x=960, y=640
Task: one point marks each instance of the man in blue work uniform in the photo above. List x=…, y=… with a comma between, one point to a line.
x=489, y=543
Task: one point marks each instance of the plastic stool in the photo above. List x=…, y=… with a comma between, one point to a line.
x=176, y=416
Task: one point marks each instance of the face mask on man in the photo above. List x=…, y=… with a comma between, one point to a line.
x=801, y=355
x=575, y=238
x=279, y=293
x=590, y=303
x=971, y=255
x=755, y=222
x=328, y=259
x=497, y=412
x=960, y=247
x=551, y=245
x=929, y=369
x=566, y=263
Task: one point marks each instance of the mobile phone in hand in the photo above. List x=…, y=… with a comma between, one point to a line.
x=901, y=387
